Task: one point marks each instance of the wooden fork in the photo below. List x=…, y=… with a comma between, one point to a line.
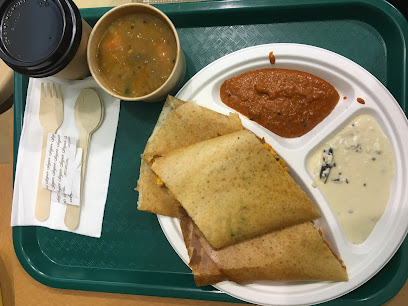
x=51, y=115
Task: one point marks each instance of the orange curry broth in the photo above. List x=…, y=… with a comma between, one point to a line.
x=136, y=54
x=287, y=102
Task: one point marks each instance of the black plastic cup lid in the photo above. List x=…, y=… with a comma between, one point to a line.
x=39, y=37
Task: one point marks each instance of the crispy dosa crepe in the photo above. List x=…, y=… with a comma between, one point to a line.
x=233, y=188
x=152, y=197
x=295, y=253
x=189, y=124
x=204, y=269
x=180, y=124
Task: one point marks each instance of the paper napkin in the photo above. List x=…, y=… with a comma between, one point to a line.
x=96, y=182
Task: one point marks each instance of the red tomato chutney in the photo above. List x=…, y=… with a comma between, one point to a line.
x=289, y=103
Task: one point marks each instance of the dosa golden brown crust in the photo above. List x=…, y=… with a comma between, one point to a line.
x=295, y=253
x=204, y=269
x=180, y=124
x=152, y=197
x=189, y=124
x=233, y=188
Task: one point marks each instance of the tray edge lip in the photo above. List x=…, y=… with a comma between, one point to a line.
x=110, y=287
x=18, y=118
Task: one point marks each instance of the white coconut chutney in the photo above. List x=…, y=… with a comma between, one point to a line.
x=354, y=171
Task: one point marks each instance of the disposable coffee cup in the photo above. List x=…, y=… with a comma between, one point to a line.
x=41, y=38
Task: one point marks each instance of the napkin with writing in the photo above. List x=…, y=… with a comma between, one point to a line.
x=96, y=182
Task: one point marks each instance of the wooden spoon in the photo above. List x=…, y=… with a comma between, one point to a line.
x=89, y=113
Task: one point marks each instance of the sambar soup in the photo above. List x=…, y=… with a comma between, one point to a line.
x=136, y=55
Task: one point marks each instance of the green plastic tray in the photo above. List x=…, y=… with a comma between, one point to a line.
x=133, y=255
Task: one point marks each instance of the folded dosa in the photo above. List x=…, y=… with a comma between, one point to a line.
x=204, y=269
x=180, y=124
x=233, y=188
x=153, y=198
x=295, y=253
x=189, y=124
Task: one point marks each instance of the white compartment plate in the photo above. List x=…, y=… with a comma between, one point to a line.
x=351, y=80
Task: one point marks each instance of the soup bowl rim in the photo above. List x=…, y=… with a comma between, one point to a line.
x=102, y=25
